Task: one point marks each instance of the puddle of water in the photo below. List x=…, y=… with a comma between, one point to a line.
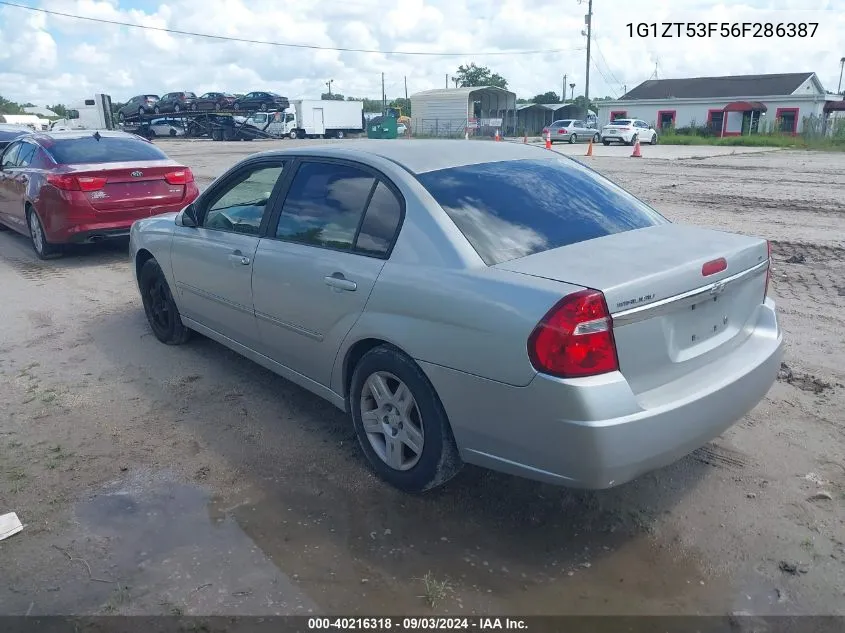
x=367, y=554
x=169, y=556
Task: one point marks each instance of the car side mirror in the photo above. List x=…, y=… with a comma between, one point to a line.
x=188, y=217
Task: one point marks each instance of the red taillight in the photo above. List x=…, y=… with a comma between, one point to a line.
x=561, y=131
x=769, y=269
x=713, y=267
x=69, y=182
x=180, y=177
x=575, y=338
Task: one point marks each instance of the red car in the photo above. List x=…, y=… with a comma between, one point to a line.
x=83, y=186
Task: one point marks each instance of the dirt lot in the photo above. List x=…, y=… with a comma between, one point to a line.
x=154, y=479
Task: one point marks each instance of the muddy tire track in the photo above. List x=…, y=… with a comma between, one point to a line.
x=722, y=457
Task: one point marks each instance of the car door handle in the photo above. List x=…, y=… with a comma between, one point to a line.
x=338, y=281
x=239, y=258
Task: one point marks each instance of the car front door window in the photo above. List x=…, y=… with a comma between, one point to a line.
x=10, y=156
x=241, y=208
x=25, y=154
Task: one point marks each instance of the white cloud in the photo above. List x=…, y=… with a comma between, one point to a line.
x=49, y=59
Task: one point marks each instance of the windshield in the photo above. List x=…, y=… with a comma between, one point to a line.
x=109, y=149
x=511, y=209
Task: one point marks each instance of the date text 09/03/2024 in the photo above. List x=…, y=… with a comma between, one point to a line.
x=418, y=624
x=722, y=29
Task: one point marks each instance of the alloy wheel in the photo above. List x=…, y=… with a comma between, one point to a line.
x=392, y=421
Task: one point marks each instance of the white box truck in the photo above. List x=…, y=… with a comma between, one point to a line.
x=330, y=119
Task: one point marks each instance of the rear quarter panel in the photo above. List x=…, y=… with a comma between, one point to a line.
x=475, y=321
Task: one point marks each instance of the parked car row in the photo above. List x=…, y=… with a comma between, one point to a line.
x=185, y=101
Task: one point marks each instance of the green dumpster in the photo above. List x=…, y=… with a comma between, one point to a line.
x=382, y=127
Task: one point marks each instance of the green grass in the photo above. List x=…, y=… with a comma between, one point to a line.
x=756, y=140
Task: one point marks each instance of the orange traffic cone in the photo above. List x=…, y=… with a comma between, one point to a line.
x=498, y=138
x=637, y=153
x=590, y=148
x=548, y=140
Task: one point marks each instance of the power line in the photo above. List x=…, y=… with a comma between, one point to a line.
x=284, y=44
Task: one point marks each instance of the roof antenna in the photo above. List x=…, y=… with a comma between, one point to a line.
x=97, y=136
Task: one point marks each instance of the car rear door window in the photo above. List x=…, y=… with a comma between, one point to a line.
x=106, y=149
x=511, y=209
x=26, y=154
x=241, y=206
x=378, y=230
x=324, y=205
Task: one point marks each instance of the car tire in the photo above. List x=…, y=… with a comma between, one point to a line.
x=654, y=139
x=573, y=138
x=340, y=134
x=121, y=117
x=151, y=133
x=43, y=249
x=237, y=106
x=217, y=107
x=597, y=138
x=633, y=140
x=176, y=108
x=293, y=135
x=159, y=306
x=605, y=142
x=172, y=132
x=438, y=459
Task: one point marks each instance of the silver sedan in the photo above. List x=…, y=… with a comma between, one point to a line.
x=571, y=131
x=487, y=303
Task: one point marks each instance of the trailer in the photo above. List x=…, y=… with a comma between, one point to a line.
x=325, y=119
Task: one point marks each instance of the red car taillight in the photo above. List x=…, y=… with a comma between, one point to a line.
x=68, y=182
x=180, y=177
x=575, y=338
x=561, y=131
x=768, y=270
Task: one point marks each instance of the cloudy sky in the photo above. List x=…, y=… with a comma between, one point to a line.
x=532, y=43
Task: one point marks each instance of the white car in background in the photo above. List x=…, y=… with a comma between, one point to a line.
x=166, y=127
x=628, y=131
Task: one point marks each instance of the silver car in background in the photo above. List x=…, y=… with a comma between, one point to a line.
x=491, y=303
x=571, y=131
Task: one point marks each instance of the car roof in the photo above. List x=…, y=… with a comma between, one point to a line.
x=69, y=134
x=424, y=155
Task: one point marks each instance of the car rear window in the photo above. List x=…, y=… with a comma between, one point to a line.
x=512, y=209
x=109, y=149
x=620, y=122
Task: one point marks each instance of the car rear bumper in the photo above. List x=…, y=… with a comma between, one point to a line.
x=595, y=432
x=107, y=225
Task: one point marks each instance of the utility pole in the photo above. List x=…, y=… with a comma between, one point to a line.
x=589, y=21
x=447, y=81
x=406, y=87
x=329, y=84
x=841, y=66
x=573, y=92
x=383, y=97
x=563, y=92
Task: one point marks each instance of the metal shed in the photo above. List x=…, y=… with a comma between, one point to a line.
x=478, y=111
x=533, y=117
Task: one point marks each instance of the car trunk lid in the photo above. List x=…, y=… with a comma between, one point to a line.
x=133, y=185
x=669, y=318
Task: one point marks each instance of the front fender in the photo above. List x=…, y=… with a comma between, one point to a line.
x=153, y=236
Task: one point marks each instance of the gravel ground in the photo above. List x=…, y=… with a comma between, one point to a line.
x=155, y=479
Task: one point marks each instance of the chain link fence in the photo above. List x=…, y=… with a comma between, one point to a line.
x=453, y=128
